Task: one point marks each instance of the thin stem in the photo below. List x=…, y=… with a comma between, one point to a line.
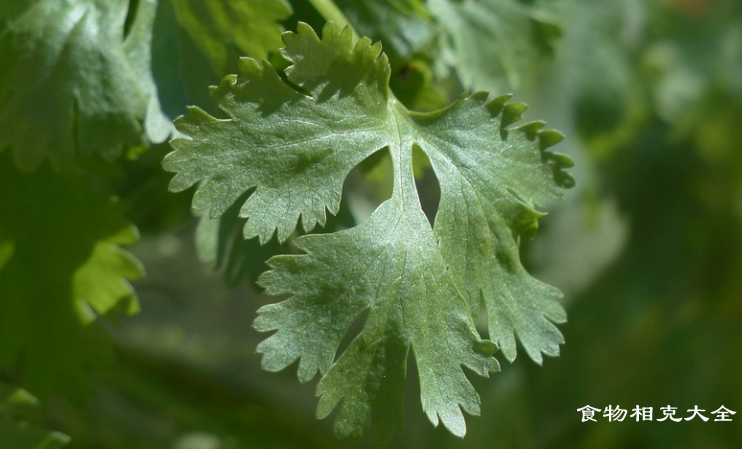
x=330, y=11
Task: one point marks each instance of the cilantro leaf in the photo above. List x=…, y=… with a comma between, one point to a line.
x=73, y=82
x=252, y=27
x=405, y=25
x=497, y=42
x=294, y=142
x=219, y=243
x=391, y=265
x=60, y=267
x=19, y=435
x=274, y=157
x=488, y=191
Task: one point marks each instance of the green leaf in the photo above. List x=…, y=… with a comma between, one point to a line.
x=391, y=266
x=404, y=26
x=73, y=82
x=593, y=68
x=414, y=86
x=12, y=10
x=409, y=36
x=219, y=243
x=217, y=27
x=17, y=434
x=62, y=267
x=488, y=193
x=497, y=43
x=294, y=142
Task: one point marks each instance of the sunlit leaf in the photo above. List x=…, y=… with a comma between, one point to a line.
x=295, y=147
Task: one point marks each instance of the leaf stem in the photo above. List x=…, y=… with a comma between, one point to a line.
x=330, y=12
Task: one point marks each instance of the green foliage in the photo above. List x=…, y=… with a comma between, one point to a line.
x=74, y=83
x=296, y=143
x=406, y=26
x=224, y=30
x=496, y=42
x=420, y=265
x=16, y=434
x=219, y=243
x=61, y=266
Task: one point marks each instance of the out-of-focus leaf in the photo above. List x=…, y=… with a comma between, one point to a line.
x=62, y=267
x=597, y=233
x=75, y=79
x=15, y=434
x=687, y=80
x=413, y=85
x=227, y=29
x=497, y=43
x=404, y=27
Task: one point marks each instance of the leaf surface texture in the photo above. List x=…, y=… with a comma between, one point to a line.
x=292, y=142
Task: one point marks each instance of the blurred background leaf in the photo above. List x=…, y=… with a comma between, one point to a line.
x=15, y=402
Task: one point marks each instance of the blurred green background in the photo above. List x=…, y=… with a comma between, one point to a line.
x=646, y=249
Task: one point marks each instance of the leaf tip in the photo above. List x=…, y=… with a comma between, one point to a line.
x=302, y=29
x=511, y=113
x=549, y=138
x=331, y=28
x=497, y=104
x=247, y=66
